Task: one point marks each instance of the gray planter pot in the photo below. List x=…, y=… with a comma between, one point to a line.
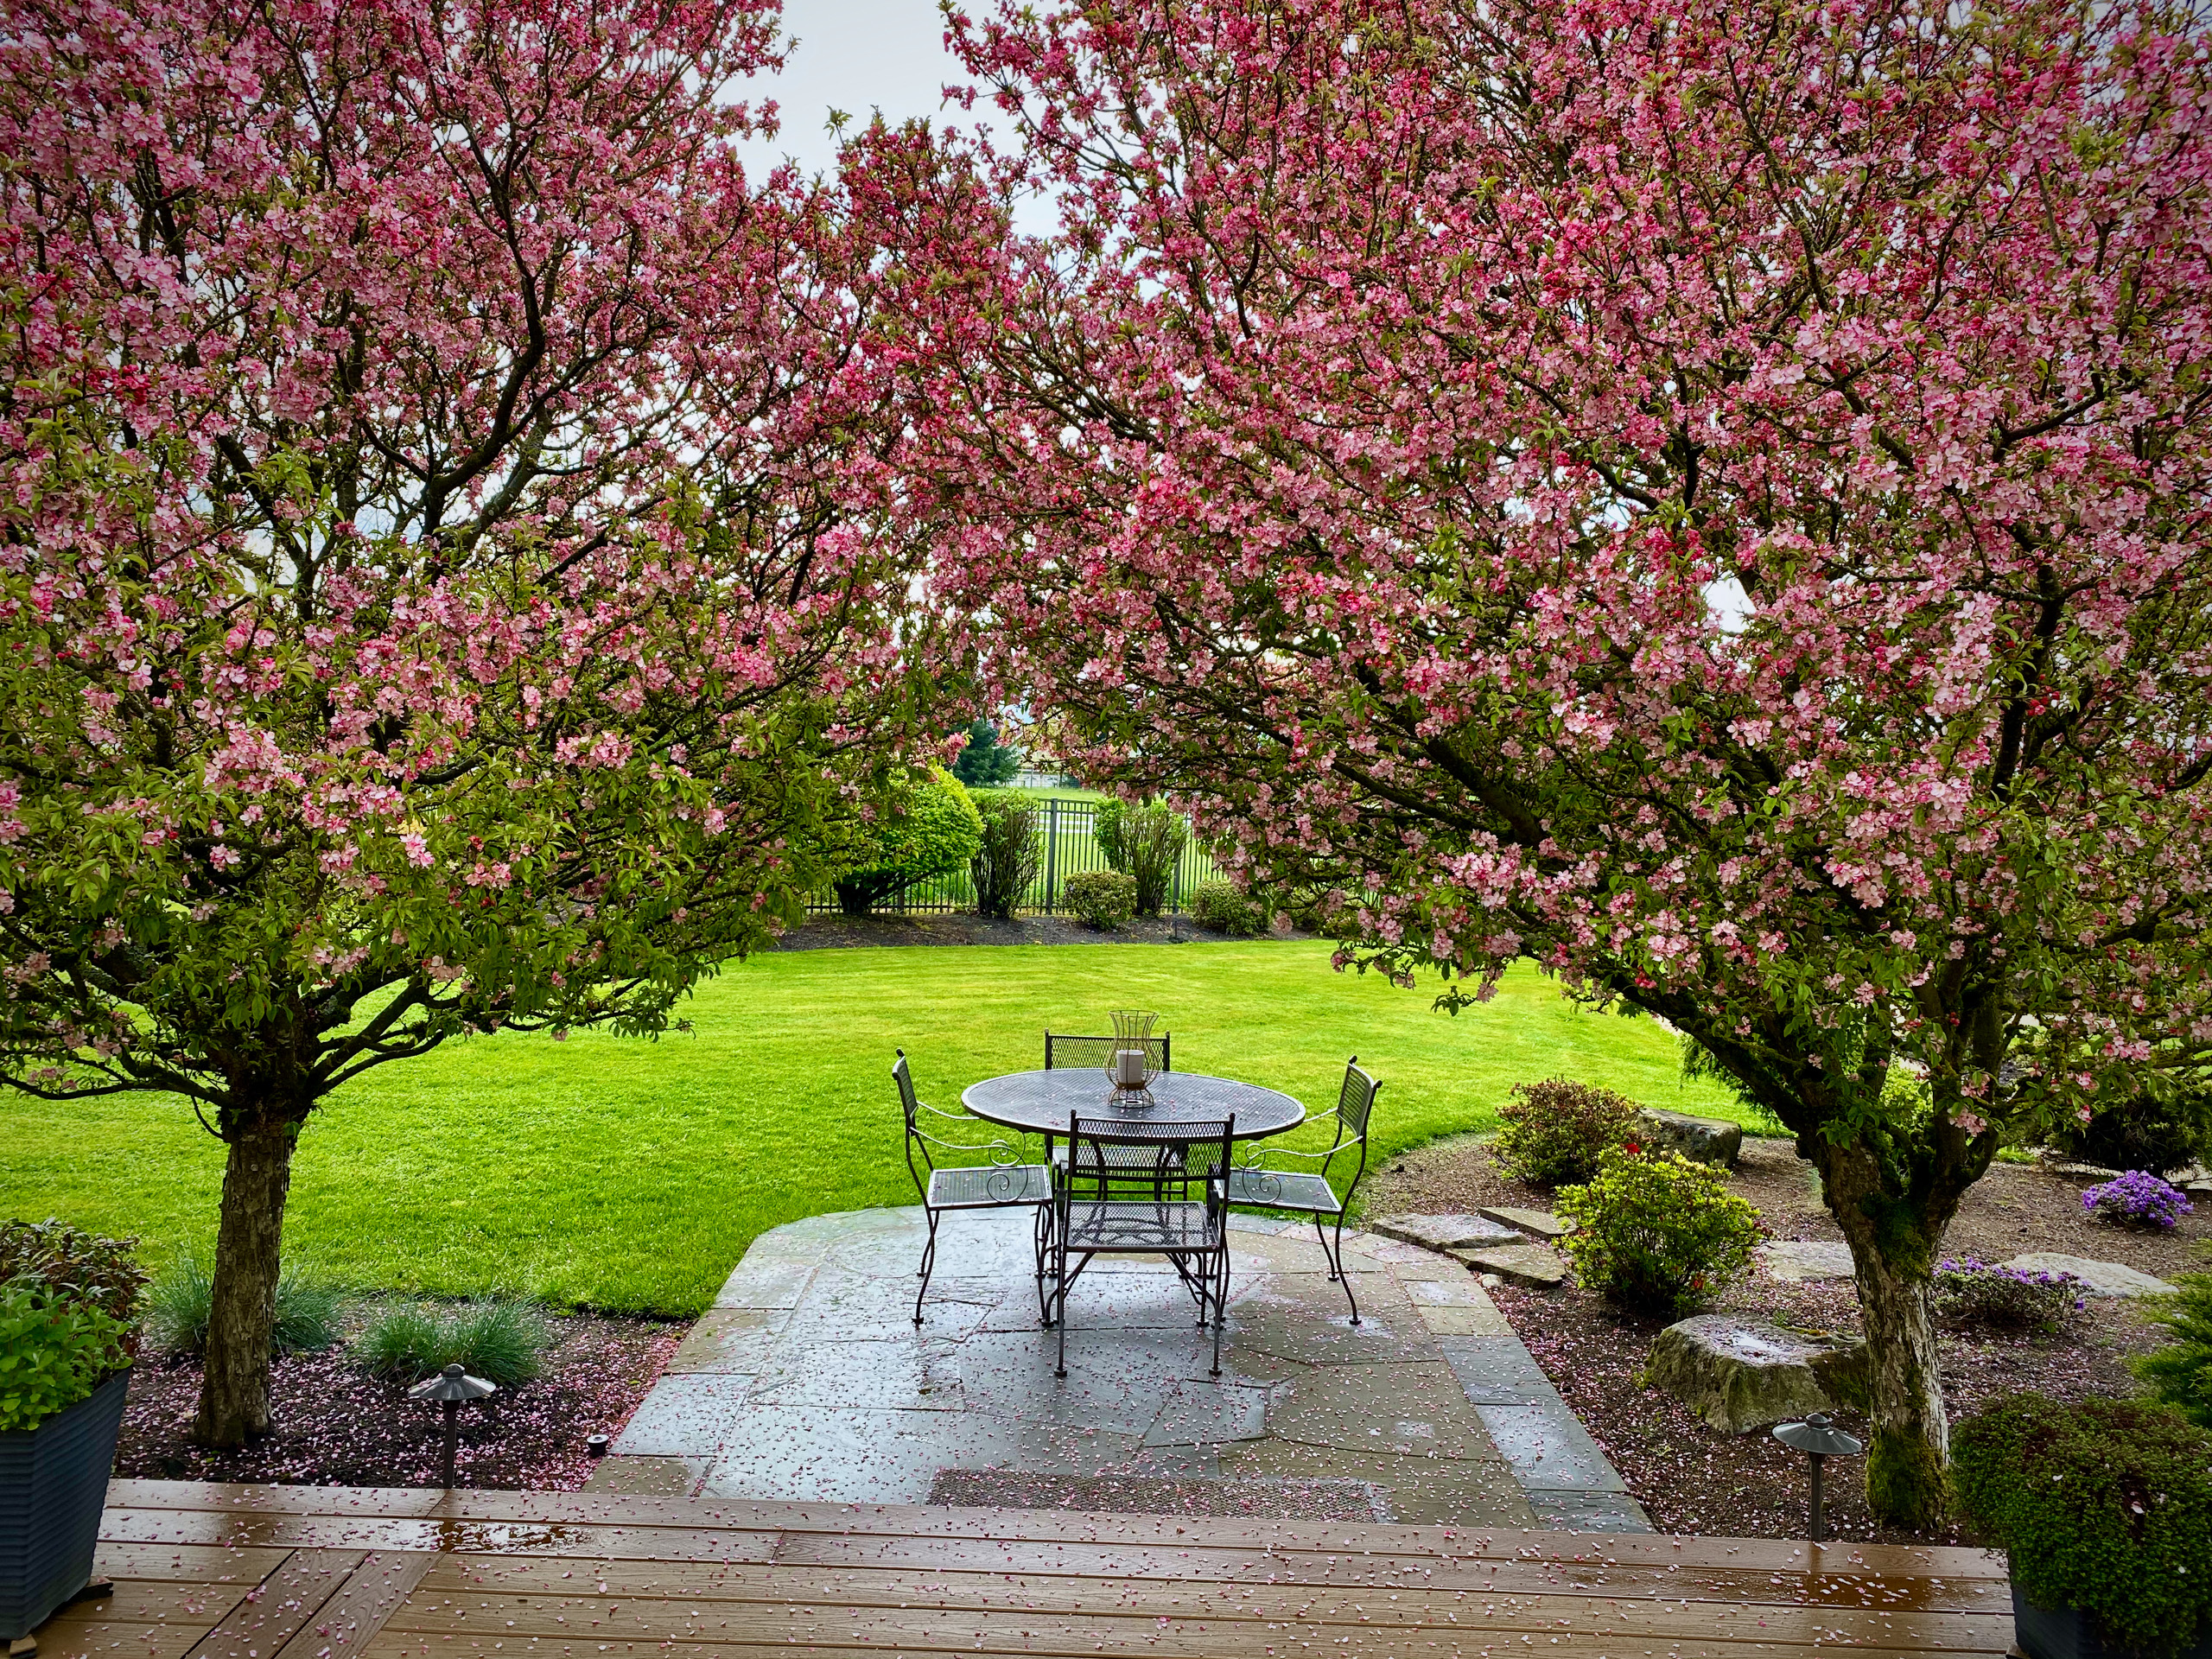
x=2068, y=1633
x=52, y=1487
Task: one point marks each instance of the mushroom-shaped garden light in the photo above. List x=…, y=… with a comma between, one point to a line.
x=1819, y=1439
x=450, y=1387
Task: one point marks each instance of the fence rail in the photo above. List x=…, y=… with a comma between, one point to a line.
x=1069, y=830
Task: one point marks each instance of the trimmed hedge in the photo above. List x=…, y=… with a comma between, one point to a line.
x=1105, y=898
x=2104, y=1505
x=1227, y=908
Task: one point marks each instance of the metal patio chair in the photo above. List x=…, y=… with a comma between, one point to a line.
x=1141, y=1205
x=1002, y=1183
x=1063, y=1052
x=1259, y=1185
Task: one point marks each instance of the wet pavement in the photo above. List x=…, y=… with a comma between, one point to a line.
x=808, y=1381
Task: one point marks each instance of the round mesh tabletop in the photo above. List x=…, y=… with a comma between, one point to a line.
x=1040, y=1102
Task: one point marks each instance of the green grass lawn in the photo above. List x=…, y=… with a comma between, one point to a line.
x=627, y=1174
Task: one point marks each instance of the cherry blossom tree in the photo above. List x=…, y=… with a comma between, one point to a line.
x=434, y=594
x=1710, y=499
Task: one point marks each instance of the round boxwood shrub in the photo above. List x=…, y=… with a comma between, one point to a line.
x=1660, y=1234
x=1556, y=1130
x=1226, y=908
x=2103, y=1505
x=1103, y=898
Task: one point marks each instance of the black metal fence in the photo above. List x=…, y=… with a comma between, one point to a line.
x=1069, y=830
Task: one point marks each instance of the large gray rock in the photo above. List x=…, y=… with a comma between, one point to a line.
x=1444, y=1232
x=1739, y=1374
x=1806, y=1260
x=1532, y=1266
x=1537, y=1223
x=2098, y=1278
x=1702, y=1139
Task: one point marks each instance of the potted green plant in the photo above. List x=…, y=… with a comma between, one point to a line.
x=68, y=1327
x=2104, y=1510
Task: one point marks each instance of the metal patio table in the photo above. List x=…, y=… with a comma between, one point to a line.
x=1041, y=1102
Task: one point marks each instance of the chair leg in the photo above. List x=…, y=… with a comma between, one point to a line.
x=1043, y=1248
x=1337, y=1262
x=1220, y=1303
x=929, y=1264
x=1321, y=1232
x=1060, y=1300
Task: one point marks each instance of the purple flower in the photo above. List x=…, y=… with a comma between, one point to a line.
x=2137, y=1199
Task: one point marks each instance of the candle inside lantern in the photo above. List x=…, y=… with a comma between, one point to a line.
x=1128, y=1068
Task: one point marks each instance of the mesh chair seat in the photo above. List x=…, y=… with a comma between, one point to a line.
x=1117, y=1224
x=988, y=1187
x=1285, y=1189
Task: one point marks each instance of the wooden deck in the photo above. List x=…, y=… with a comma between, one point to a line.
x=333, y=1572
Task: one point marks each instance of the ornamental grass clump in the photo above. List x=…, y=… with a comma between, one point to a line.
x=180, y=1305
x=2137, y=1199
x=2103, y=1505
x=1658, y=1233
x=1981, y=1295
x=1555, y=1131
x=502, y=1341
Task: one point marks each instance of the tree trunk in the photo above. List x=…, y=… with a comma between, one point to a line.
x=1911, y=1440
x=242, y=1311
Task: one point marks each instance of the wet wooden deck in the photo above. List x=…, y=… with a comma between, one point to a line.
x=332, y=1572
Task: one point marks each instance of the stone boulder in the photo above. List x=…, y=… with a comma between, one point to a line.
x=2098, y=1278
x=1739, y=1374
x=1532, y=1266
x=1701, y=1140
x=1803, y=1261
x=1537, y=1223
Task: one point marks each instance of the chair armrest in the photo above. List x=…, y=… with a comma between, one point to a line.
x=1001, y=1151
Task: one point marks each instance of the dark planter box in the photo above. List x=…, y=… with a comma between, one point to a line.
x=2067, y=1634
x=52, y=1487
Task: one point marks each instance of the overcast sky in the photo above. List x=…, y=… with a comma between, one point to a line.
x=856, y=55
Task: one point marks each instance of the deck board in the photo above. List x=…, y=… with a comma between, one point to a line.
x=206, y=1572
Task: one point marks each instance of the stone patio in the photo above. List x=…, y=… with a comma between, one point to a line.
x=808, y=1382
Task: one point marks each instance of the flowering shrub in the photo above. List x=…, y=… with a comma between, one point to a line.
x=1555, y=1131
x=2138, y=1198
x=1980, y=1294
x=1663, y=1233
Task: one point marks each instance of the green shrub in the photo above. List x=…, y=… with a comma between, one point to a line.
x=2104, y=1505
x=502, y=1342
x=1009, y=855
x=1144, y=844
x=2144, y=1133
x=925, y=825
x=1657, y=1233
x=1227, y=908
x=1555, y=1131
x=56, y=1348
x=89, y=1268
x=1103, y=898
x=178, y=1306
x=986, y=761
x=2180, y=1374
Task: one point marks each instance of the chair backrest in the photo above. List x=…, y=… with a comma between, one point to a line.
x=905, y=1081
x=1184, y=1150
x=1355, y=1101
x=1062, y=1051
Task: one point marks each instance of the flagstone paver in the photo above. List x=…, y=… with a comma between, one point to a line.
x=808, y=1380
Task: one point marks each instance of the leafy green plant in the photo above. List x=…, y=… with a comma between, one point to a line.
x=1009, y=854
x=178, y=1303
x=102, y=1271
x=1104, y=899
x=1555, y=1131
x=1227, y=908
x=1660, y=1233
x=2104, y=1505
x=501, y=1341
x=2147, y=1131
x=1144, y=844
x=56, y=1348
x=2180, y=1373
x=924, y=824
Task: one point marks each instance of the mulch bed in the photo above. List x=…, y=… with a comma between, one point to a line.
x=335, y=1426
x=1691, y=1478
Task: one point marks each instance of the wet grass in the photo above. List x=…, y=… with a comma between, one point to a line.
x=631, y=1175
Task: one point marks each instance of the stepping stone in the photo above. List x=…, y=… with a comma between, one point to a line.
x=1443, y=1232
x=1739, y=1374
x=1540, y=1224
x=2098, y=1278
x=1701, y=1140
x=1801, y=1261
x=1532, y=1266
x=2084, y=1173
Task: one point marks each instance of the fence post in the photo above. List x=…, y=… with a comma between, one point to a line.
x=1052, y=848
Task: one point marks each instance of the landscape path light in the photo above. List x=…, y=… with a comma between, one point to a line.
x=450, y=1388
x=1819, y=1439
